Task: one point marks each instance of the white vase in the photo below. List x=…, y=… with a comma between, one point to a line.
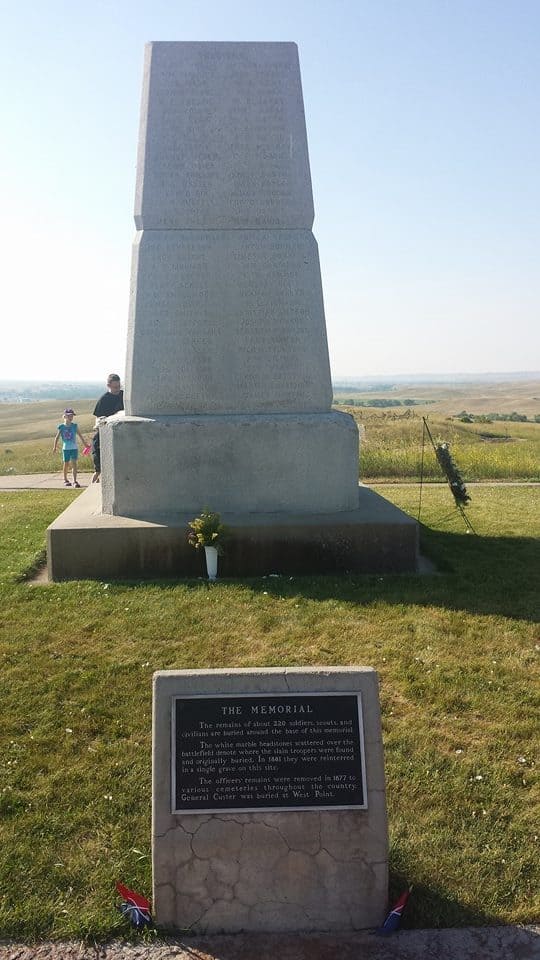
x=211, y=562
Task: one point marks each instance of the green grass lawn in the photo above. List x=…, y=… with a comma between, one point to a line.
x=457, y=654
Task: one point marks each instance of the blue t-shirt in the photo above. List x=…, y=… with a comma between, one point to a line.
x=68, y=432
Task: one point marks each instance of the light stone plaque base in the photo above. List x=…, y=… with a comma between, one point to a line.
x=287, y=871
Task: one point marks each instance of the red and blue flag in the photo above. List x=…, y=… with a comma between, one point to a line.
x=393, y=919
x=135, y=907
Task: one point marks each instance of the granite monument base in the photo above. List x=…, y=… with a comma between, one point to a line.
x=85, y=543
x=274, y=463
x=275, y=870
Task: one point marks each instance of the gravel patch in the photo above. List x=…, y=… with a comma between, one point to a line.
x=470, y=943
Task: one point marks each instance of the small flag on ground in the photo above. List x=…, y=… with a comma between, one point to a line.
x=393, y=919
x=135, y=907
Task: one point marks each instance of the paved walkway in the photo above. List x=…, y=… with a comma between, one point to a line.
x=40, y=481
x=469, y=943
x=54, y=481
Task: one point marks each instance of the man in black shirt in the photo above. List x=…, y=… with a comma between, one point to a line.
x=111, y=402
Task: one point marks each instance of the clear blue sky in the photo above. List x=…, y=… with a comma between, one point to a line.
x=424, y=140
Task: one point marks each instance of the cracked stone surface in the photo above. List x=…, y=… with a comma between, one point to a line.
x=299, y=871
x=298, y=828
x=214, y=841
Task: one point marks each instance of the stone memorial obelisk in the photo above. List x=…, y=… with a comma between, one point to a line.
x=228, y=392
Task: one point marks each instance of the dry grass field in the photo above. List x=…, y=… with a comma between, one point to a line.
x=394, y=445
x=27, y=431
x=447, y=399
x=22, y=422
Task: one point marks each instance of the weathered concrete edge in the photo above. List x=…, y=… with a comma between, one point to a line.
x=513, y=942
x=83, y=543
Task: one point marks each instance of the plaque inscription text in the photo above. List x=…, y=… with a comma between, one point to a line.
x=267, y=752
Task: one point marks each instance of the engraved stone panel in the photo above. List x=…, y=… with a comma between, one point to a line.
x=223, y=138
x=227, y=321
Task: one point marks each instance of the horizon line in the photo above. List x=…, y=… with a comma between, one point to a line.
x=334, y=377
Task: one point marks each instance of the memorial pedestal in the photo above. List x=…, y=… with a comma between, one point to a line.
x=86, y=543
x=271, y=464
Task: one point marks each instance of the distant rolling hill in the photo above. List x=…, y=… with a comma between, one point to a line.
x=27, y=391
